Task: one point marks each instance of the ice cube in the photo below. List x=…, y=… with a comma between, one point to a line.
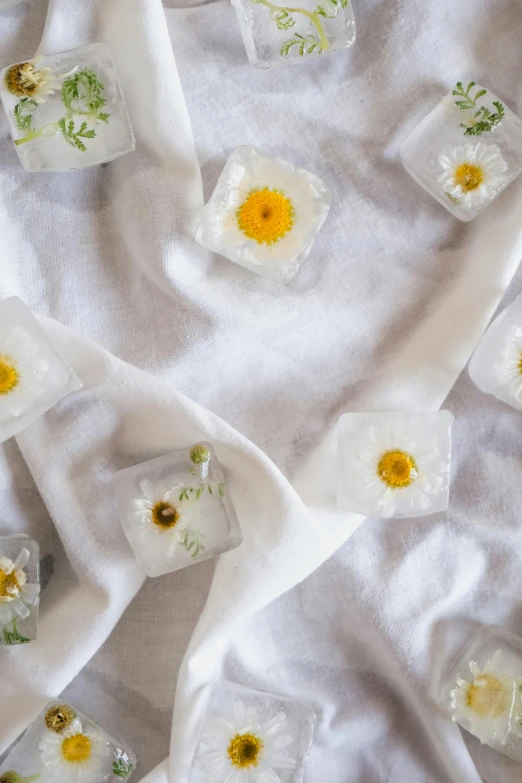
x=466, y=150
x=275, y=34
x=19, y=589
x=176, y=509
x=67, y=111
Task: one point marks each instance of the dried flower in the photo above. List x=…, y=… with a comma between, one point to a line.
x=59, y=718
x=27, y=80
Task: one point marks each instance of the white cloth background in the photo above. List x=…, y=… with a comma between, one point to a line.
x=383, y=315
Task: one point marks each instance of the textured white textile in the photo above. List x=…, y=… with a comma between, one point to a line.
x=383, y=315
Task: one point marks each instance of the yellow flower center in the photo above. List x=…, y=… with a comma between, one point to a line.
x=9, y=375
x=468, y=176
x=8, y=585
x=266, y=216
x=23, y=79
x=397, y=469
x=165, y=515
x=519, y=365
x=487, y=696
x=77, y=749
x=244, y=750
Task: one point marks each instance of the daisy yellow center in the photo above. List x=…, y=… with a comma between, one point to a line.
x=23, y=79
x=9, y=375
x=8, y=585
x=468, y=176
x=164, y=514
x=487, y=696
x=519, y=365
x=244, y=750
x=266, y=216
x=396, y=469
x=77, y=749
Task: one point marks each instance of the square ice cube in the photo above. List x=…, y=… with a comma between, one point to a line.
x=19, y=589
x=67, y=111
x=33, y=375
x=176, y=509
x=64, y=746
x=482, y=689
x=264, y=214
x=496, y=365
x=394, y=464
x=248, y=731
x=277, y=34
x=466, y=151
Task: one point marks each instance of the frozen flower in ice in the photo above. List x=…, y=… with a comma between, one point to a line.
x=511, y=367
x=59, y=718
x=16, y=595
x=264, y=214
x=391, y=470
x=199, y=454
x=163, y=517
x=485, y=704
x=76, y=755
x=22, y=370
x=246, y=750
x=30, y=80
x=473, y=173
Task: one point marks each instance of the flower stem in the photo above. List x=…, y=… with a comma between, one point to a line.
x=36, y=134
x=33, y=777
x=313, y=16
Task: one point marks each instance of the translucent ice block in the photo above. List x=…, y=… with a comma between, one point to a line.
x=33, y=375
x=253, y=736
x=466, y=151
x=482, y=690
x=19, y=589
x=275, y=34
x=496, y=365
x=64, y=746
x=264, y=214
x=67, y=111
x=394, y=464
x=176, y=509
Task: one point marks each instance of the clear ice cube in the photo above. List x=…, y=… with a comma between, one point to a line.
x=62, y=744
x=33, y=375
x=275, y=34
x=264, y=214
x=482, y=689
x=394, y=464
x=19, y=589
x=176, y=509
x=466, y=151
x=67, y=111
x=246, y=729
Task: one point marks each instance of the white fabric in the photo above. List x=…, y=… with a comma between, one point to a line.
x=383, y=315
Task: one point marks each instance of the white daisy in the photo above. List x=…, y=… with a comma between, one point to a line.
x=16, y=595
x=31, y=80
x=75, y=755
x=473, y=173
x=161, y=515
x=23, y=371
x=245, y=750
x=390, y=470
x=511, y=367
x=266, y=214
x=485, y=704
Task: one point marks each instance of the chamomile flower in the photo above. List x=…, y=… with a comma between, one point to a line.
x=394, y=468
x=16, y=595
x=472, y=173
x=162, y=514
x=264, y=214
x=75, y=755
x=22, y=372
x=484, y=705
x=31, y=80
x=245, y=749
x=511, y=365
